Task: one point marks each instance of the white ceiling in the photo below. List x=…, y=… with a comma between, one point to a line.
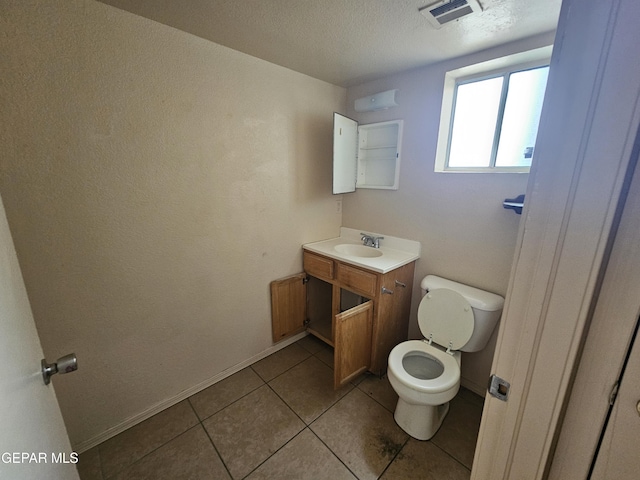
x=347, y=42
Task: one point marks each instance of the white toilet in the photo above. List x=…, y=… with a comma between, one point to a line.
x=426, y=373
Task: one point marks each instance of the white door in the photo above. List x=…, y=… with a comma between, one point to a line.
x=33, y=439
x=609, y=358
x=345, y=152
x=619, y=454
x=585, y=144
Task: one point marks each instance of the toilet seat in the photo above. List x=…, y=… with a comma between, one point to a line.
x=446, y=318
x=448, y=379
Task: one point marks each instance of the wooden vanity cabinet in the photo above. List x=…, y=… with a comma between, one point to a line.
x=362, y=314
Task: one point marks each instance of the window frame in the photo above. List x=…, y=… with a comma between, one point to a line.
x=502, y=66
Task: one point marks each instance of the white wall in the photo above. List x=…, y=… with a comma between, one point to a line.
x=154, y=183
x=466, y=234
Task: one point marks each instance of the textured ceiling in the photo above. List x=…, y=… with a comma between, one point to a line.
x=346, y=42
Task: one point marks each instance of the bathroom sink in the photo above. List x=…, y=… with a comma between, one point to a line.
x=393, y=253
x=357, y=250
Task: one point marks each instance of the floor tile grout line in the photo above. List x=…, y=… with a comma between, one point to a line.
x=291, y=368
x=395, y=456
x=449, y=455
x=446, y=451
x=323, y=412
x=199, y=421
x=265, y=382
x=206, y=432
x=228, y=405
x=287, y=405
x=224, y=464
x=274, y=453
x=357, y=385
x=335, y=454
x=308, y=426
x=332, y=452
x=371, y=396
x=150, y=452
x=354, y=386
x=283, y=372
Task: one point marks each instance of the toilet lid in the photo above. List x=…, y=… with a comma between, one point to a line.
x=447, y=317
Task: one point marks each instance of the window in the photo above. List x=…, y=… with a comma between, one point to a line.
x=489, y=119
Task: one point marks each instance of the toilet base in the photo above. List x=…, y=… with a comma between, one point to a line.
x=420, y=421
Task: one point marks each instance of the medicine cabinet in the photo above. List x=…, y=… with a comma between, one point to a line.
x=365, y=156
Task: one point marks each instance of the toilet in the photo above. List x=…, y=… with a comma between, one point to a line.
x=425, y=374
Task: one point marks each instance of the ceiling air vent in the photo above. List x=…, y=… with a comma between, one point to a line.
x=447, y=11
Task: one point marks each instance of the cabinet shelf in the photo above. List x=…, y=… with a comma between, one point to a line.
x=372, y=157
x=322, y=328
x=394, y=146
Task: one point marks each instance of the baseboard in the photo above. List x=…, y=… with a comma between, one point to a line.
x=169, y=402
x=477, y=389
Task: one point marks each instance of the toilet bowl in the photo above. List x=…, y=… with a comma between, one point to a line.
x=426, y=373
x=423, y=376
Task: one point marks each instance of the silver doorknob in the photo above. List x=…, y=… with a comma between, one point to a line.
x=66, y=364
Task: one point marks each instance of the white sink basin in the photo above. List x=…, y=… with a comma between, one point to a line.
x=394, y=252
x=357, y=250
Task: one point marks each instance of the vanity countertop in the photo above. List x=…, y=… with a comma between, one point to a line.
x=394, y=252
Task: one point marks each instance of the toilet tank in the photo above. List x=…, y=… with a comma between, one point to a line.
x=486, y=306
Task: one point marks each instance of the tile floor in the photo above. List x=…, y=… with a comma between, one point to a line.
x=281, y=418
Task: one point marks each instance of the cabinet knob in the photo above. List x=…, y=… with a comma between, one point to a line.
x=387, y=291
x=400, y=284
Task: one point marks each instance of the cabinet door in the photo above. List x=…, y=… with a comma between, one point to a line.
x=345, y=150
x=288, y=306
x=352, y=343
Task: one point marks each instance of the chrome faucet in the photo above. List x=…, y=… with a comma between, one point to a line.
x=370, y=240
